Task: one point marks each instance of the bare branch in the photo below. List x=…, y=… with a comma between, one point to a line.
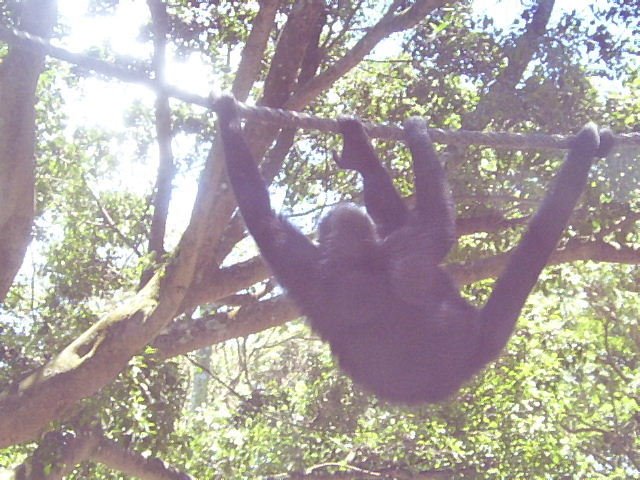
x=57, y=455
x=574, y=251
x=166, y=168
x=183, y=338
x=216, y=284
x=290, y=52
x=280, y=81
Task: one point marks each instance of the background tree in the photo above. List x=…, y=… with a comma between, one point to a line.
x=124, y=300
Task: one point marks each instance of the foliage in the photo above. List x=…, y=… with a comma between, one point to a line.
x=561, y=403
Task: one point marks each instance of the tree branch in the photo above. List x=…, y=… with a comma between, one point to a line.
x=280, y=82
x=166, y=168
x=183, y=338
x=291, y=48
x=133, y=464
x=19, y=75
x=597, y=251
x=518, y=58
x=253, y=51
x=96, y=356
x=390, y=23
x=59, y=454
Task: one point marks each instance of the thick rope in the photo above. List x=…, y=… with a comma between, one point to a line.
x=287, y=118
x=516, y=141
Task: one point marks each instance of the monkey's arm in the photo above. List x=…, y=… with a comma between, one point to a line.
x=291, y=256
x=434, y=203
x=384, y=204
x=499, y=315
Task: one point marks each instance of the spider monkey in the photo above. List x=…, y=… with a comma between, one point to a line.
x=374, y=288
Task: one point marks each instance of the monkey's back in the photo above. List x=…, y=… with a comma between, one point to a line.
x=398, y=351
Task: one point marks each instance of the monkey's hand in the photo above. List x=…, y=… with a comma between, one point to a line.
x=227, y=110
x=415, y=130
x=593, y=143
x=606, y=143
x=357, y=151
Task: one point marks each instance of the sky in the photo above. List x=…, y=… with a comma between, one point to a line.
x=113, y=100
x=193, y=75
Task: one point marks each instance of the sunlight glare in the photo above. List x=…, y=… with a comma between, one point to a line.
x=87, y=31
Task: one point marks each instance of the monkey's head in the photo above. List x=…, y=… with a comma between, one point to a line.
x=347, y=233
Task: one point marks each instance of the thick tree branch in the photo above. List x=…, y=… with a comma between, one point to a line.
x=183, y=338
x=59, y=454
x=19, y=75
x=345, y=471
x=312, y=57
x=82, y=368
x=247, y=74
x=518, y=58
x=596, y=251
x=214, y=285
x=280, y=82
x=295, y=37
x=310, y=60
x=166, y=168
x=97, y=356
x=391, y=22
x=56, y=456
x=134, y=465
x=253, y=51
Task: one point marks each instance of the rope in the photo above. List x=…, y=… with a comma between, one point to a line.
x=287, y=118
x=518, y=141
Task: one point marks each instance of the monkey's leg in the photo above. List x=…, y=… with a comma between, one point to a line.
x=511, y=290
x=434, y=204
x=384, y=204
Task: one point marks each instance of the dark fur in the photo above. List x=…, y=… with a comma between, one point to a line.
x=376, y=291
